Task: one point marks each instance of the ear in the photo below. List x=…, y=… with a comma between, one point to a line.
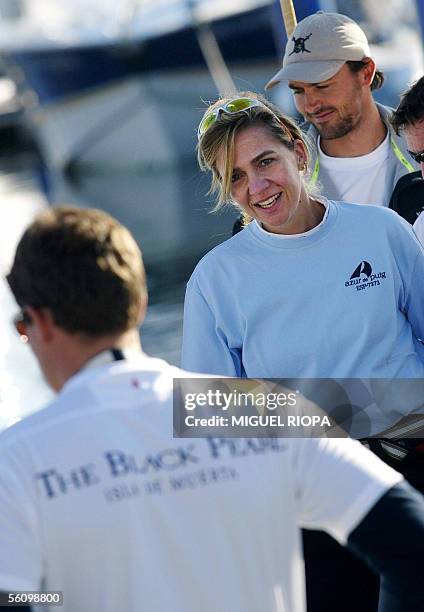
x=368, y=71
x=300, y=152
x=42, y=325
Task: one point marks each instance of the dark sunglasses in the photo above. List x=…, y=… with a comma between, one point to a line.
x=418, y=157
x=20, y=323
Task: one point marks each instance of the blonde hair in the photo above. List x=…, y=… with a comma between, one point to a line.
x=220, y=136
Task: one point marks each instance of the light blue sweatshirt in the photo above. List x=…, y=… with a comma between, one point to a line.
x=343, y=300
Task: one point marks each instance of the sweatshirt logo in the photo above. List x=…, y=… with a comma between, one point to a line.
x=363, y=277
x=363, y=268
x=299, y=45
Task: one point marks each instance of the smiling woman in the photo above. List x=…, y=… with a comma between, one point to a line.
x=266, y=182
x=309, y=288
x=260, y=168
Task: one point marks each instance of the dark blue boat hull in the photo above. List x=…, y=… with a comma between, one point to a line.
x=56, y=73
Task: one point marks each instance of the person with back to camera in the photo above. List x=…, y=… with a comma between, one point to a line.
x=312, y=288
x=100, y=502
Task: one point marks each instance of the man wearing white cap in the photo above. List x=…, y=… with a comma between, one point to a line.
x=328, y=65
x=358, y=158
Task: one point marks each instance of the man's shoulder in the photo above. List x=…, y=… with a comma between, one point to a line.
x=385, y=111
x=146, y=381
x=30, y=425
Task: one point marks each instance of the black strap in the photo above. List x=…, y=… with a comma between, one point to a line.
x=117, y=354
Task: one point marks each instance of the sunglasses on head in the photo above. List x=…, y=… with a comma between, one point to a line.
x=418, y=157
x=20, y=323
x=232, y=107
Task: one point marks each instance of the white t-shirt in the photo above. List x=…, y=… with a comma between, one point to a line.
x=418, y=228
x=362, y=179
x=98, y=500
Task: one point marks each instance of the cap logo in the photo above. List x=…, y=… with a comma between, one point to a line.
x=299, y=45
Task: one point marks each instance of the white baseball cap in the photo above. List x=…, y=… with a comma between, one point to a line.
x=320, y=45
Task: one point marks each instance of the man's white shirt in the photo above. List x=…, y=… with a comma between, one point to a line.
x=363, y=179
x=98, y=500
